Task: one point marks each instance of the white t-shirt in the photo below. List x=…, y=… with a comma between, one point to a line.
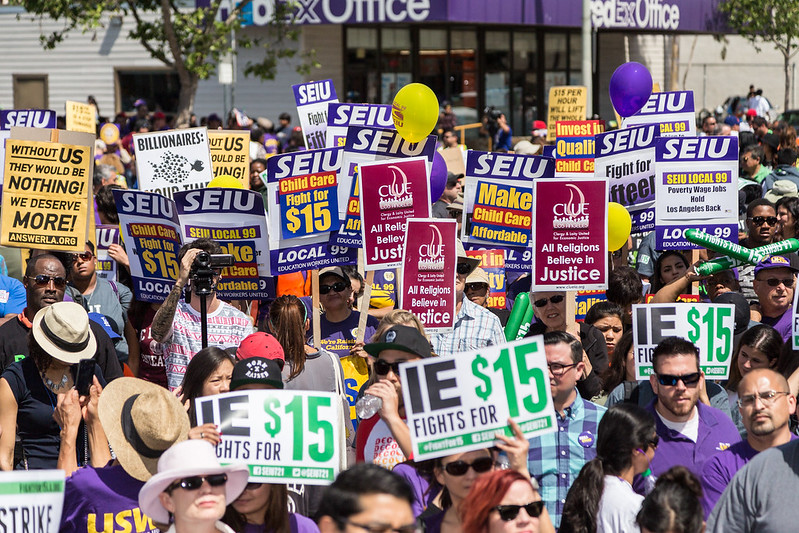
x=690, y=428
x=618, y=507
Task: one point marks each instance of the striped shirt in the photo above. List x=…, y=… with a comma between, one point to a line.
x=475, y=327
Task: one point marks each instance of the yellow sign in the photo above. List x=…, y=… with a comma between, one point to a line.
x=46, y=190
x=565, y=103
x=81, y=117
x=230, y=154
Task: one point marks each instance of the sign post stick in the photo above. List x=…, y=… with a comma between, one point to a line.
x=317, y=326
x=364, y=308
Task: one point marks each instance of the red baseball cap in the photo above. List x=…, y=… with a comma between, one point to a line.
x=261, y=344
x=751, y=113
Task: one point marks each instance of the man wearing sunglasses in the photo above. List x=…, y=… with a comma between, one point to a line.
x=475, y=327
x=775, y=280
x=766, y=406
x=45, y=283
x=761, y=225
x=690, y=432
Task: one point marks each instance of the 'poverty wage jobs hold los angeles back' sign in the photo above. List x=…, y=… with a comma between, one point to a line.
x=459, y=403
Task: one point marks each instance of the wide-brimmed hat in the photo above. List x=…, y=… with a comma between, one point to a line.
x=194, y=457
x=472, y=261
x=62, y=330
x=782, y=189
x=142, y=420
x=478, y=275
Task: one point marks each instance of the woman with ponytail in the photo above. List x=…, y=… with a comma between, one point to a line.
x=602, y=499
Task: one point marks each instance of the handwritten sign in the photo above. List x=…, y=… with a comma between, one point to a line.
x=566, y=103
x=81, y=117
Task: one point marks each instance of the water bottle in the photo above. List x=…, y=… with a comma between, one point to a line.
x=649, y=480
x=367, y=406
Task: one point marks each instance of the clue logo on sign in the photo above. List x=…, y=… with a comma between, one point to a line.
x=431, y=256
x=396, y=195
x=571, y=214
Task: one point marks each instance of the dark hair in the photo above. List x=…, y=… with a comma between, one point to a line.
x=485, y=494
x=142, y=123
x=756, y=122
x=256, y=132
x=105, y=202
x=208, y=245
x=556, y=337
x=287, y=316
x=789, y=360
x=786, y=156
x=30, y=267
x=657, y=281
x=284, y=116
x=624, y=286
x=674, y=506
x=202, y=365
x=445, y=498
x=674, y=346
x=624, y=428
x=792, y=206
x=602, y=310
x=351, y=271
x=342, y=498
x=276, y=515
x=259, y=160
x=40, y=357
x=757, y=203
x=616, y=374
x=755, y=150
x=760, y=337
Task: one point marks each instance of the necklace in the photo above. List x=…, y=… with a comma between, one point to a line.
x=55, y=387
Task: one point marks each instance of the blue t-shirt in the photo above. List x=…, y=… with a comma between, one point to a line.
x=12, y=296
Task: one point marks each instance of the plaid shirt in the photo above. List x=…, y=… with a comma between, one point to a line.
x=475, y=327
x=555, y=459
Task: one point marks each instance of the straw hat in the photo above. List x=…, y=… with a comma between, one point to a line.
x=62, y=330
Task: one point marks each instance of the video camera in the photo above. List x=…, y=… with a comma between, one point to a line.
x=202, y=271
x=490, y=115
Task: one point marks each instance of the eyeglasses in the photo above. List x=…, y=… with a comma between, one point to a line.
x=382, y=367
x=464, y=268
x=758, y=221
x=195, y=482
x=479, y=465
x=775, y=282
x=510, y=512
x=338, y=286
x=688, y=380
x=382, y=528
x=42, y=281
x=558, y=369
x=85, y=256
x=543, y=301
x=767, y=397
x=476, y=286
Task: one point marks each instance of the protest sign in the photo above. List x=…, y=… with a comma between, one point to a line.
x=364, y=144
x=570, y=235
x=312, y=99
x=46, y=192
x=428, y=272
x=566, y=103
x=235, y=219
x=173, y=160
x=584, y=300
x=282, y=436
x=575, y=147
x=106, y=267
x=673, y=112
x=681, y=298
x=517, y=260
x=709, y=326
x=457, y=404
x=341, y=116
x=696, y=186
x=627, y=158
x=30, y=118
x=81, y=117
x=795, y=328
x=493, y=262
x=31, y=500
x=151, y=234
x=391, y=193
x=230, y=154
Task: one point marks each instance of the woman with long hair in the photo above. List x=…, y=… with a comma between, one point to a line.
x=622, y=365
x=674, y=506
x=788, y=216
x=263, y=508
x=607, y=318
x=670, y=265
x=601, y=499
x=208, y=373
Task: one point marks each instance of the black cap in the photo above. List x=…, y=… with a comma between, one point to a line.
x=402, y=338
x=258, y=370
x=772, y=140
x=453, y=178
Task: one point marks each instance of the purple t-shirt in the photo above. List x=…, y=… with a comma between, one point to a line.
x=103, y=499
x=339, y=337
x=782, y=323
x=297, y=523
x=422, y=495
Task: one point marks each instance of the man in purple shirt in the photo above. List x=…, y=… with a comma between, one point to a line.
x=690, y=432
x=766, y=407
x=775, y=279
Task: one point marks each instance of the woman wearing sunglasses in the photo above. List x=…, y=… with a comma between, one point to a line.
x=190, y=490
x=602, y=499
x=504, y=501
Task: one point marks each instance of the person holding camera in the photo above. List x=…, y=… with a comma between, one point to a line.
x=178, y=323
x=495, y=124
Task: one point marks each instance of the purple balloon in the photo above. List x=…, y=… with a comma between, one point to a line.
x=438, y=176
x=630, y=87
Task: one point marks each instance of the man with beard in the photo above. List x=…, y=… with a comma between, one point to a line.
x=690, y=432
x=766, y=407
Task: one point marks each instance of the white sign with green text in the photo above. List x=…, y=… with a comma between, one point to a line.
x=31, y=500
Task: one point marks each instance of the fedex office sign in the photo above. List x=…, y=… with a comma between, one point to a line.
x=260, y=12
x=640, y=14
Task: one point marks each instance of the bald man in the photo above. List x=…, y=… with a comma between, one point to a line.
x=766, y=405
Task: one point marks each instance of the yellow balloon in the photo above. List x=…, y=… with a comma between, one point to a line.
x=226, y=181
x=415, y=112
x=619, y=226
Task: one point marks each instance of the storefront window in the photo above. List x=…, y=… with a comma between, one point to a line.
x=524, y=82
x=362, y=65
x=396, y=56
x=497, y=71
x=433, y=60
x=575, y=59
x=463, y=87
x=555, y=62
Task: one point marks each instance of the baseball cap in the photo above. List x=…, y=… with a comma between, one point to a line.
x=139, y=102
x=103, y=321
x=731, y=120
x=453, y=178
x=258, y=371
x=336, y=271
x=751, y=113
x=404, y=338
x=261, y=344
x=775, y=261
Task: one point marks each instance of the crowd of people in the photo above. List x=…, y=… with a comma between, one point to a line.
x=675, y=453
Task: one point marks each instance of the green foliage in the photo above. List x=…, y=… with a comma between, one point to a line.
x=765, y=21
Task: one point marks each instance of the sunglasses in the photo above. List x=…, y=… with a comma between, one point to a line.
x=688, y=380
x=42, y=281
x=775, y=282
x=479, y=465
x=543, y=301
x=85, y=256
x=476, y=287
x=382, y=367
x=464, y=268
x=195, y=482
x=758, y=221
x=338, y=286
x=510, y=512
